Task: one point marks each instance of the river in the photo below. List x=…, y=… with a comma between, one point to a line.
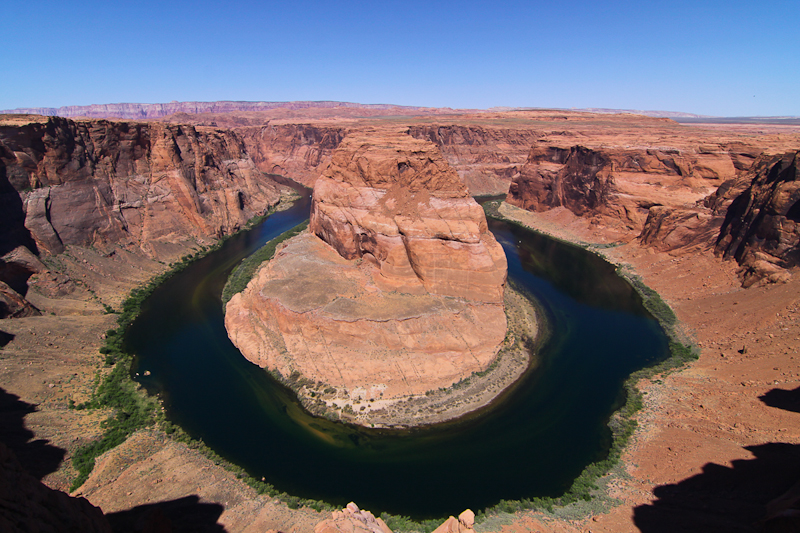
x=532, y=443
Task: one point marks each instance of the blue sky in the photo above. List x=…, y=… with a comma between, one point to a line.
x=716, y=58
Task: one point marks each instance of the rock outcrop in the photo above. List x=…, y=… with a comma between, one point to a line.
x=402, y=284
x=463, y=524
x=395, y=202
x=615, y=182
x=13, y=305
x=761, y=227
x=301, y=151
x=486, y=158
x=147, y=186
x=351, y=519
x=754, y=219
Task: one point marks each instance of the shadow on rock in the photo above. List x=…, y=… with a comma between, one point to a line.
x=185, y=514
x=788, y=400
x=5, y=338
x=722, y=498
x=37, y=457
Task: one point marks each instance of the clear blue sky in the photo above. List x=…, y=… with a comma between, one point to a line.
x=717, y=57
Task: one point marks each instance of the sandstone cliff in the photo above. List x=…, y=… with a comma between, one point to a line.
x=301, y=151
x=752, y=218
x=402, y=283
x=486, y=158
x=146, y=186
x=727, y=197
x=761, y=227
x=617, y=182
x=395, y=201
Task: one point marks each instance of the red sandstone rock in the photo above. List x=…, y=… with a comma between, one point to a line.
x=343, y=329
x=92, y=182
x=761, y=227
x=401, y=294
x=352, y=520
x=396, y=200
x=13, y=305
x=300, y=151
x=463, y=524
x=485, y=158
x=752, y=219
x=618, y=183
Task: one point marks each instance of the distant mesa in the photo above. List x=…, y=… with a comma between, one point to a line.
x=395, y=290
x=137, y=111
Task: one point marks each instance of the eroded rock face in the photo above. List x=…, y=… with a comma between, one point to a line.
x=396, y=202
x=485, y=158
x=670, y=228
x=754, y=219
x=351, y=519
x=761, y=227
x=618, y=184
x=311, y=311
x=395, y=290
x=301, y=151
x=578, y=179
x=146, y=186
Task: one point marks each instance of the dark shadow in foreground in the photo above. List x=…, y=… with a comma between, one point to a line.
x=788, y=400
x=760, y=494
x=37, y=457
x=722, y=498
x=5, y=338
x=185, y=514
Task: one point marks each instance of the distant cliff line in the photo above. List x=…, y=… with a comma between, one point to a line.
x=154, y=111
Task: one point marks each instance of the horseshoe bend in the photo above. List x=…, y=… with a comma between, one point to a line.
x=706, y=214
x=396, y=290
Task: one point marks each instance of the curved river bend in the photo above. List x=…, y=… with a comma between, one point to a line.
x=532, y=443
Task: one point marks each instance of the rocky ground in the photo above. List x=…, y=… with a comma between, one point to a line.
x=473, y=393
x=720, y=439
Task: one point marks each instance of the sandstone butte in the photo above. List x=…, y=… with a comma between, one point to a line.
x=395, y=290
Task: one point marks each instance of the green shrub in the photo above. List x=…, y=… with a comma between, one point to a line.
x=243, y=273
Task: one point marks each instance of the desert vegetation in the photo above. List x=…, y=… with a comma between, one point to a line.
x=245, y=271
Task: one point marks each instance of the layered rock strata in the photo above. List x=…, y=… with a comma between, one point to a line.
x=147, y=186
x=397, y=288
x=301, y=151
x=395, y=202
x=753, y=219
x=616, y=182
x=732, y=200
x=486, y=158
